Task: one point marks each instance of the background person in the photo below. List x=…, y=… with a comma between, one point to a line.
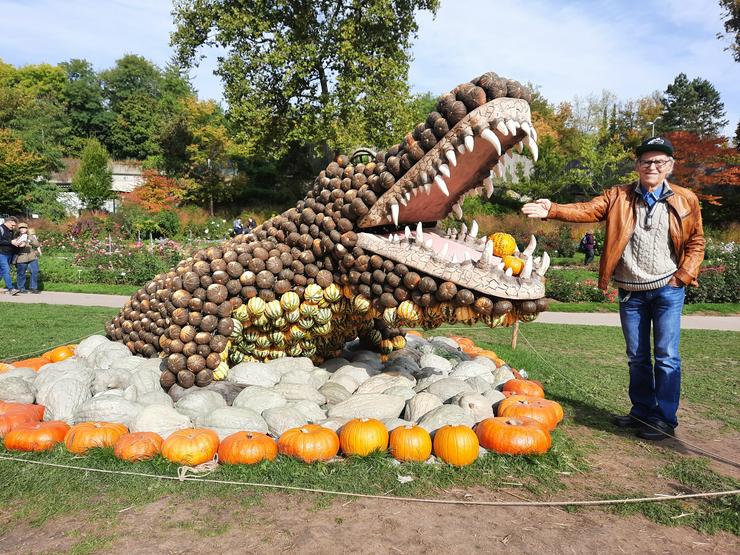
x=7, y=252
x=589, y=246
x=27, y=258
x=653, y=248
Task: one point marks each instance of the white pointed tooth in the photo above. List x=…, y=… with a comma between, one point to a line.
x=403, y=201
x=451, y=158
x=509, y=272
x=519, y=147
x=428, y=188
x=526, y=128
x=390, y=237
x=457, y=210
x=489, y=249
x=394, y=214
x=534, y=134
x=442, y=185
x=419, y=233
x=428, y=244
x=444, y=169
x=526, y=272
x=407, y=194
x=407, y=233
x=454, y=259
x=511, y=125
x=469, y=142
x=532, y=144
x=415, y=191
x=491, y=137
x=498, y=169
x=530, y=247
x=461, y=148
x=501, y=128
x=443, y=251
x=544, y=265
x=510, y=153
x=467, y=256
x=488, y=186
x=474, y=229
x=388, y=217
x=463, y=229
x=500, y=266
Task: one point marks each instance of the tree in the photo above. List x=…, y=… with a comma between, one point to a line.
x=712, y=170
x=85, y=105
x=19, y=169
x=93, y=180
x=694, y=106
x=157, y=193
x=322, y=73
x=731, y=19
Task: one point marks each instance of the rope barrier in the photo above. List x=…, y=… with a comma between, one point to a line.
x=182, y=477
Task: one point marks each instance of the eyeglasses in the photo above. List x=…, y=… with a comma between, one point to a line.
x=658, y=163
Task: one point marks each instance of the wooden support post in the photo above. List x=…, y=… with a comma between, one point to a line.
x=515, y=334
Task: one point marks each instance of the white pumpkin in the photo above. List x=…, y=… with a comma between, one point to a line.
x=107, y=407
x=199, y=403
x=229, y=420
x=419, y=405
x=16, y=390
x=112, y=378
x=369, y=405
x=159, y=419
x=279, y=419
x=259, y=399
x=62, y=398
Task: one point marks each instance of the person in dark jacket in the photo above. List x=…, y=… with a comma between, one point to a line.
x=589, y=245
x=8, y=249
x=27, y=258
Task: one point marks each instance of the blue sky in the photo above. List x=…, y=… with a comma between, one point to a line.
x=568, y=48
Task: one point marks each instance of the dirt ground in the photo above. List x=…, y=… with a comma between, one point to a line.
x=294, y=523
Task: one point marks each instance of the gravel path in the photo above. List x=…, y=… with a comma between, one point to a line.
x=724, y=323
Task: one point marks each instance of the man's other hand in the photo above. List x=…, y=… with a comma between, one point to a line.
x=537, y=209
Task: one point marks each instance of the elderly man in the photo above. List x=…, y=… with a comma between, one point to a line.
x=653, y=248
x=7, y=250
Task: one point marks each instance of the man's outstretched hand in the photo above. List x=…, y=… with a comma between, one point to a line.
x=537, y=209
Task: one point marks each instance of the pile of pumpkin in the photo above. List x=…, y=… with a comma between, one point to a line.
x=522, y=428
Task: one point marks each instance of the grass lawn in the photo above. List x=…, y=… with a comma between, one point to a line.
x=583, y=369
x=706, y=309
x=99, y=288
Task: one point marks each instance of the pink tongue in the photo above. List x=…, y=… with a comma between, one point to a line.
x=453, y=247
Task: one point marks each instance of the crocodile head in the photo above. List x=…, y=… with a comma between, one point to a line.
x=363, y=254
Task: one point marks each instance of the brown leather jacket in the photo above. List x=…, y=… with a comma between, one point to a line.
x=617, y=207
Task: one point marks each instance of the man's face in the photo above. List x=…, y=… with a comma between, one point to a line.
x=653, y=167
x=10, y=224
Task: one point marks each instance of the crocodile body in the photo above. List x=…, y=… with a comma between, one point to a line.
x=362, y=255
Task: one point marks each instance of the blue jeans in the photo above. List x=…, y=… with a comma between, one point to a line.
x=654, y=388
x=33, y=266
x=5, y=269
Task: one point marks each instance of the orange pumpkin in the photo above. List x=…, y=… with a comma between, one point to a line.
x=525, y=387
x=59, y=354
x=5, y=367
x=543, y=410
x=309, y=443
x=513, y=436
x=503, y=244
x=36, y=411
x=414, y=332
x=34, y=363
x=36, y=436
x=466, y=344
x=515, y=263
x=491, y=355
x=12, y=420
x=456, y=445
x=410, y=443
x=191, y=446
x=87, y=435
x=247, y=448
x=137, y=446
x=362, y=436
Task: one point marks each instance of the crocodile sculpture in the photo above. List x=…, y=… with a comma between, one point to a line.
x=362, y=255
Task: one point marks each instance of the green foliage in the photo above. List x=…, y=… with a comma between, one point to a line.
x=322, y=73
x=93, y=180
x=693, y=106
x=41, y=199
x=19, y=169
x=731, y=20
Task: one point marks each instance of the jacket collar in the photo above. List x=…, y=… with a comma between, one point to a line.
x=666, y=193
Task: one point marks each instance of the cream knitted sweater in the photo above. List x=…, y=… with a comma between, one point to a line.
x=648, y=261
